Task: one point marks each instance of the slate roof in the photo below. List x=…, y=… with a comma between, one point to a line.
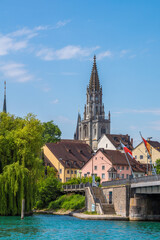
x=118, y=158
x=155, y=144
x=116, y=138
x=71, y=153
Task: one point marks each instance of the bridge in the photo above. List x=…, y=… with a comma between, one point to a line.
x=136, y=198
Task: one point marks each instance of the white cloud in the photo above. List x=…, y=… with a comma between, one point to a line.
x=104, y=54
x=8, y=44
x=55, y=101
x=132, y=56
x=62, y=23
x=139, y=111
x=16, y=71
x=123, y=52
x=68, y=52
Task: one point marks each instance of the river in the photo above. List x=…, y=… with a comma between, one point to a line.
x=64, y=227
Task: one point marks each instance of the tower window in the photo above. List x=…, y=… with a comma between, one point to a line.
x=95, y=131
x=103, y=130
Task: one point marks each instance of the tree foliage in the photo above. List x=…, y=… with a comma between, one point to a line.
x=157, y=166
x=49, y=189
x=51, y=133
x=20, y=165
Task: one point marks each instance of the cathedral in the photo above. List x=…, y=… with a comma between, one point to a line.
x=94, y=123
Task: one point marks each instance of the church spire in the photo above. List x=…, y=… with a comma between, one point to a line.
x=94, y=84
x=4, y=103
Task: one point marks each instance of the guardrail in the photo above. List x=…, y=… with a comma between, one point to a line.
x=80, y=186
x=151, y=178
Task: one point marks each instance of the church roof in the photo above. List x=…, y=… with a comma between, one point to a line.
x=94, y=84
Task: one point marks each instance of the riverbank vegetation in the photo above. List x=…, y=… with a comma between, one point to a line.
x=68, y=202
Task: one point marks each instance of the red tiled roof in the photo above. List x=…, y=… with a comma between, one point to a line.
x=118, y=158
x=71, y=153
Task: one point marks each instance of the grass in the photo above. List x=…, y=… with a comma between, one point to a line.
x=91, y=213
x=68, y=202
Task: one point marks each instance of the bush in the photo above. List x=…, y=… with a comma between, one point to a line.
x=48, y=190
x=72, y=201
x=39, y=204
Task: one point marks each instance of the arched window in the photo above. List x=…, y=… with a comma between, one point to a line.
x=85, y=131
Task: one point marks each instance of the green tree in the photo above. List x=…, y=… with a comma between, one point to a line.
x=20, y=165
x=51, y=133
x=49, y=189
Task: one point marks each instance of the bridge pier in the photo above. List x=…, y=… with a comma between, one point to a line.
x=144, y=207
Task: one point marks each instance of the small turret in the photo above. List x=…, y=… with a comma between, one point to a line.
x=4, y=103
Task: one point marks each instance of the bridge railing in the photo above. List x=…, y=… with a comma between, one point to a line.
x=151, y=178
x=76, y=186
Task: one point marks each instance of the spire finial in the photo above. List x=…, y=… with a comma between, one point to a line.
x=94, y=59
x=4, y=104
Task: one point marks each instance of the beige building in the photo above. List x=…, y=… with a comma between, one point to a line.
x=67, y=157
x=140, y=152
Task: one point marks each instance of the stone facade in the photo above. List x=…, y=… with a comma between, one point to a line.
x=120, y=199
x=94, y=123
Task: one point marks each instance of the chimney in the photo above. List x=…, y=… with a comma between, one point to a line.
x=132, y=141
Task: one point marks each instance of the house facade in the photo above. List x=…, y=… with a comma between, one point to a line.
x=113, y=141
x=67, y=157
x=140, y=152
x=111, y=164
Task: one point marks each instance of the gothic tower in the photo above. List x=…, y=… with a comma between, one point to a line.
x=94, y=123
x=4, y=103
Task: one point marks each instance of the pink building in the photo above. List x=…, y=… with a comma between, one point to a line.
x=111, y=164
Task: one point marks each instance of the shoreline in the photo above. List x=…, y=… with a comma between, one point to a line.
x=82, y=215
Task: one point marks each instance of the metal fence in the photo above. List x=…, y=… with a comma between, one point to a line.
x=151, y=178
x=82, y=186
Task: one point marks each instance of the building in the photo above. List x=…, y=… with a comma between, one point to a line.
x=94, y=123
x=67, y=156
x=140, y=152
x=113, y=141
x=110, y=165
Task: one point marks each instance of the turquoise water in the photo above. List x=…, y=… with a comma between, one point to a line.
x=65, y=227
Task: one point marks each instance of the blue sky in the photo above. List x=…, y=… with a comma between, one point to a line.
x=46, y=56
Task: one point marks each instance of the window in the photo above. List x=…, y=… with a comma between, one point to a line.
x=95, y=167
x=122, y=175
x=95, y=132
x=127, y=168
x=135, y=156
x=75, y=172
x=95, y=158
x=103, y=167
x=102, y=158
x=117, y=175
x=141, y=156
x=106, y=145
x=67, y=171
x=85, y=175
x=123, y=168
x=71, y=171
x=95, y=175
x=60, y=170
x=127, y=176
x=103, y=175
x=67, y=179
x=118, y=167
x=60, y=180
